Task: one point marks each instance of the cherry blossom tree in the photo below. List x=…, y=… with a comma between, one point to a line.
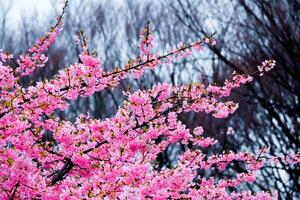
x=47, y=157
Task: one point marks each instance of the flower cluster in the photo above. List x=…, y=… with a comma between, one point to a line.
x=266, y=66
x=45, y=157
x=146, y=44
x=45, y=42
x=5, y=56
x=35, y=58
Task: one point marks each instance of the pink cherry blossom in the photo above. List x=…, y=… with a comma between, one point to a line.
x=116, y=158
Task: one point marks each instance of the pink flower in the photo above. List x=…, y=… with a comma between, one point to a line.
x=198, y=131
x=204, y=142
x=88, y=60
x=114, y=157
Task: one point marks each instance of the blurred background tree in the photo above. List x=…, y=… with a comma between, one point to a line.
x=247, y=33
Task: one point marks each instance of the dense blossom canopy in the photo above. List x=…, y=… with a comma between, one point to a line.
x=115, y=158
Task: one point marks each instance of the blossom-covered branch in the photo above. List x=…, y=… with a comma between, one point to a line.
x=116, y=158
